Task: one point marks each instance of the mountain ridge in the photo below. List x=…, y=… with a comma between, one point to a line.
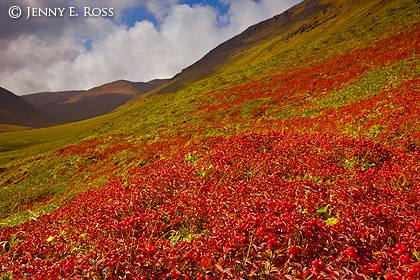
x=53, y=108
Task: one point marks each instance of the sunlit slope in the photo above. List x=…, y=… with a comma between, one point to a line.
x=310, y=31
x=7, y=127
x=343, y=27
x=342, y=67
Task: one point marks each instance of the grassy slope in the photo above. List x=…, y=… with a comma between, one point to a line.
x=274, y=56
x=7, y=127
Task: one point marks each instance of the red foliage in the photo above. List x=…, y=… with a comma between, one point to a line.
x=276, y=204
x=317, y=80
x=392, y=110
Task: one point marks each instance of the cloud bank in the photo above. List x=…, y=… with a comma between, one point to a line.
x=52, y=54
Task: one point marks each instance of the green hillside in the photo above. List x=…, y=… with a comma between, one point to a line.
x=295, y=157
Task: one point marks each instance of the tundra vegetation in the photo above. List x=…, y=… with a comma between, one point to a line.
x=297, y=159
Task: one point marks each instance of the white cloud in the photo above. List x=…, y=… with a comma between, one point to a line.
x=243, y=13
x=160, y=8
x=32, y=63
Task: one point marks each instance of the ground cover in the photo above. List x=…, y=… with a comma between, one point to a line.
x=302, y=164
x=263, y=206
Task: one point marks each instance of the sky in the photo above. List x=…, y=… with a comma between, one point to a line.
x=54, y=45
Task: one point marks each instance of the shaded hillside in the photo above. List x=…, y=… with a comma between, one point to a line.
x=70, y=106
x=16, y=111
x=143, y=87
x=44, y=98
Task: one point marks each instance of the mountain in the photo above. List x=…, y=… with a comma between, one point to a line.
x=296, y=157
x=70, y=106
x=16, y=111
x=44, y=98
x=300, y=18
x=150, y=85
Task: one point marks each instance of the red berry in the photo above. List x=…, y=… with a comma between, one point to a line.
x=260, y=232
x=204, y=263
x=272, y=242
x=293, y=252
x=405, y=258
x=242, y=239
x=413, y=270
x=376, y=267
x=318, y=265
x=176, y=274
x=351, y=252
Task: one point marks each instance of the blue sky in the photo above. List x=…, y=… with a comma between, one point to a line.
x=139, y=13
x=144, y=40
x=130, y=17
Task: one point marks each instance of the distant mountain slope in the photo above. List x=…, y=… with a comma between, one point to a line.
x=149, y=86
x=70, y=106
x=14, y=110
x=45, y=98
